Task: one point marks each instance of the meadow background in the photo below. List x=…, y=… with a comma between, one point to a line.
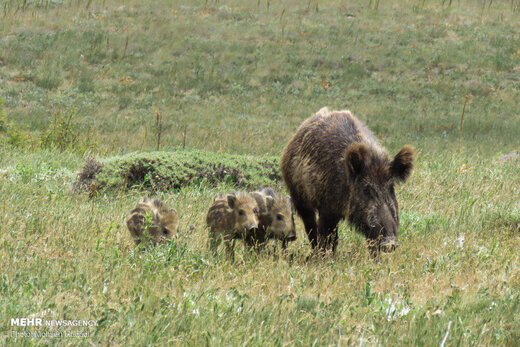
x=91, y=78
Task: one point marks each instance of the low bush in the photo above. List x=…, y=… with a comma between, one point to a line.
x=173, y=170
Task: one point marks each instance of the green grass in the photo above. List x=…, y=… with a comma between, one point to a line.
x=232, y=81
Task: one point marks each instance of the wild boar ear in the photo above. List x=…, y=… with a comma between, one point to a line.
x=260, y=200
x=157, y=203
x=402, y=165
x=269, y=201
x=269, y=191
x=231, y=199
x=355, y=158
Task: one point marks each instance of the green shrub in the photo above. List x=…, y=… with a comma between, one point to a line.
x=64, y=133
x=173, y=170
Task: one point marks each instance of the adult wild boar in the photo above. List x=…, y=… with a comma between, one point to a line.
x=334, y=165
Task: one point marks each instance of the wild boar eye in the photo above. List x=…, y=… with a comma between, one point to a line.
x=241, y=212
x=279, y=217
x=165, y=231
x=392, y=191
x=367, y=190
x=255, y=211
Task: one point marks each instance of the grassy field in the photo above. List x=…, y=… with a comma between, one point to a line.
x=92, y=78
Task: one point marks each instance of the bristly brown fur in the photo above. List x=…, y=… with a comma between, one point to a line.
x=153, y=222
x=402, y=165
x=232, y=216
x=276, y=220
x=334, y=165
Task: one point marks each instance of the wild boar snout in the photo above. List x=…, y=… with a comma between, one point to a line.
x=291, y=236
x=389, y=244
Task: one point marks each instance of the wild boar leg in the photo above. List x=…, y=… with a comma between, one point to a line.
x=309, y=220
x=230, y=248
x=214, y=241
x=328, y=231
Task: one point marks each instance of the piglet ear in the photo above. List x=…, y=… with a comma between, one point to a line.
x=402, y=165
x=269, y=201
x=231, y=199
x=356, y=156
x=260, y=200
x=269, y=191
